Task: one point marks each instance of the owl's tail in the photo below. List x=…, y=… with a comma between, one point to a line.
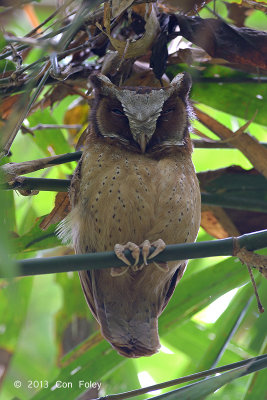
x=130, y=325
x=134, y=338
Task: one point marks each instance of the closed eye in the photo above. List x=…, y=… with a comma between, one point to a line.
x=168, y=111
x=116, y=111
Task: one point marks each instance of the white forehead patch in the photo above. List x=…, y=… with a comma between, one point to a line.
x=142, y=107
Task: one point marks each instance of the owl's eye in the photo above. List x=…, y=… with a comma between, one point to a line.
x=116, y=111
x=168, y=111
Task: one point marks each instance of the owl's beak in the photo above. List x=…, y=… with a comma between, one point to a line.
x=143, y=133
x=143, y=140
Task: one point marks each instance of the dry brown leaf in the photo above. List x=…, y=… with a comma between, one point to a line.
x=216, y=222
x=256, y=4
x=60, y=211
x=186, y=6
x=238, y=13
x=6, y=105
x=223, y=222
x=144, y=77
x=118, y=6
x=134, y=49
x=216, y=37
x=77, y=113
x=248, y=145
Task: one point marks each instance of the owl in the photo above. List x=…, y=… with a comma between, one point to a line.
x=135, y=188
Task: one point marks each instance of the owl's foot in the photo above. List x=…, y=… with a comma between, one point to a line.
x=119, y=251
x=145, y=248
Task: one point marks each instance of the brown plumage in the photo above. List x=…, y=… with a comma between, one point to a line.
x=135, y=182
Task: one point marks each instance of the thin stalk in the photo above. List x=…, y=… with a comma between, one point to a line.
x=202, y=144
x=188, y=378
x=204, y=388
x=222, y=247
x=48, y=185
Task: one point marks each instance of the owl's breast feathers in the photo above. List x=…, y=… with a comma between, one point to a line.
x=119, y=196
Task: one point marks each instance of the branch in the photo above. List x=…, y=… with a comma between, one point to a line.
x=62, y=185
x=203, y=144
x=12, y=170
x=247, y=144
x=222, y=247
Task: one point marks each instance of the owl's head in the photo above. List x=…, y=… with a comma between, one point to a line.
x=144, y=119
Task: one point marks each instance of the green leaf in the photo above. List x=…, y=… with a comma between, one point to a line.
x=196, y=291
x=257, y=383
x=49, y=140
x=226, y=326
x=36, y=239
x=6, y=65
x=90, y=362
x=73, y=321
x=203, y=388
x=241, y=100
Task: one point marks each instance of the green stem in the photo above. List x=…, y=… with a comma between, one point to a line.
x=62, y=185
x=222, y=247
x=188, y=378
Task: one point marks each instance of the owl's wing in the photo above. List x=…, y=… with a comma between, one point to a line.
x=86, y=282
x=74, y=191
x=172, y=284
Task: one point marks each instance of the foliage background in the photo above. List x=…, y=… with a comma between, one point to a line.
x=45, y=317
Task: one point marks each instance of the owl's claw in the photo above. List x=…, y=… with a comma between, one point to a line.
x=119, y=251
x=160, y=246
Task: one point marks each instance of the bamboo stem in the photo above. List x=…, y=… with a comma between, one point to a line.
x=222, y=247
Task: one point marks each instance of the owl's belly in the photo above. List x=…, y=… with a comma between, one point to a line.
x=135, y=199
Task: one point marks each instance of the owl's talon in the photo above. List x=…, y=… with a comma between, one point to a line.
x=119, y=250
x=145, y=248
x=160, y=246
x=136, y=268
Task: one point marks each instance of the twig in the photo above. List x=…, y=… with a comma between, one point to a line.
x=40, y=127
x=260, y=307
x=202, y=144
x=12, y=170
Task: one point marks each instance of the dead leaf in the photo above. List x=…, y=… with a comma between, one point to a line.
x=59, y=212
x=220, y=40
x=248, y=145
x=141, y=76
x=6, y=105
x=233, y=181
x=77, y=113
x=5, y=359
x=134, y=49
x=238, y=13
x=118, y=6
x=186, y=6
x=256, y=4
x=216, y=222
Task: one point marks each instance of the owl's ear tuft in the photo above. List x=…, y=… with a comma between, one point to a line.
x=182, y=84
x=101, y=83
